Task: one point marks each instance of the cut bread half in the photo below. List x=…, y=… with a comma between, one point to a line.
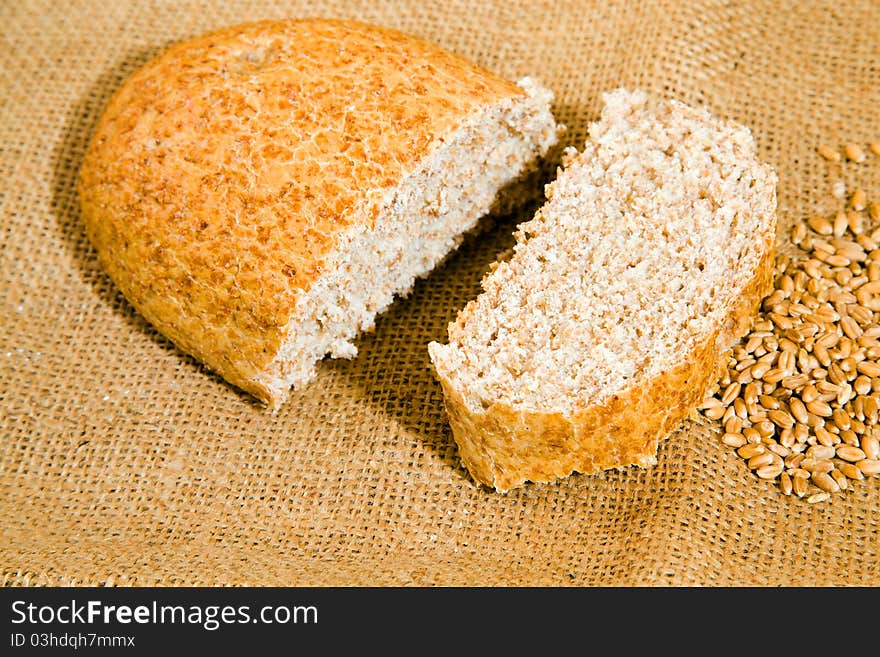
x=261, y=193
x=602, y=331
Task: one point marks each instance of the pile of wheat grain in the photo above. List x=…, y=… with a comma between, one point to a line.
x=799, y=396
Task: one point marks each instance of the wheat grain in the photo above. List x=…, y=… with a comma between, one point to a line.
x=854, y=153
x=850, y=453
x=830, y=153
x=858, y=201
x=824, y=481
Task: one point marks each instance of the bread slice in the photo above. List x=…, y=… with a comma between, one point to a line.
x=603, y=329
x=261, y=193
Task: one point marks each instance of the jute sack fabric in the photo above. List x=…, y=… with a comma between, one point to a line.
x=124, y=462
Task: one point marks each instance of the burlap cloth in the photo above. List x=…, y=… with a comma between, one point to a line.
x=123, y=461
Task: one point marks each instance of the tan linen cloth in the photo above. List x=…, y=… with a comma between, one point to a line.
x=125, y=462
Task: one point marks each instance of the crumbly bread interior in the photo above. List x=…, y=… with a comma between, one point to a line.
x=645, y=242
x=420, y=223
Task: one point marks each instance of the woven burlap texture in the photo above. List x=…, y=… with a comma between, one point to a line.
x=125, y=462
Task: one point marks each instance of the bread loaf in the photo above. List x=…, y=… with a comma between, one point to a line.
x=602, y=331
x=260, y=193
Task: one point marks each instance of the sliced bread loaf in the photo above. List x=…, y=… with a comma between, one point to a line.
x=601, y=332
x=260, y=193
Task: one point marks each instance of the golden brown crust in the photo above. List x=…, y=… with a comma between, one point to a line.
x=221, y=173
x=503, y=447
